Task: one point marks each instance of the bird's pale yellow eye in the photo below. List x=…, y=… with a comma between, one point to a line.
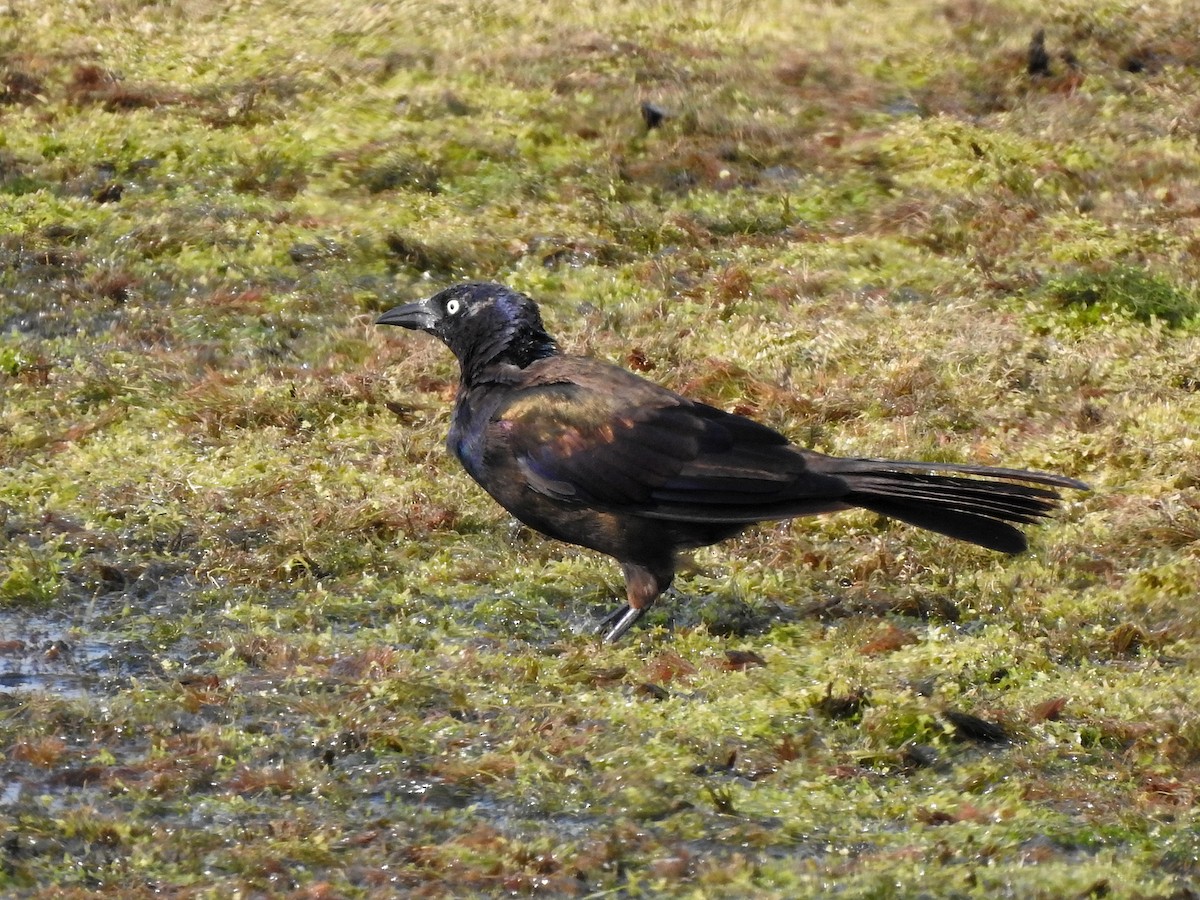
x=452, y=307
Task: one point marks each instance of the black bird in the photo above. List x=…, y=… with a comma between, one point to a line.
x=588, y=453
x=1038, y=61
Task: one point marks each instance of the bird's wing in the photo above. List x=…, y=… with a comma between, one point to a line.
x=605, y=438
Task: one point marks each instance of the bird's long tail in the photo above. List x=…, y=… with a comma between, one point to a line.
x=980, y=504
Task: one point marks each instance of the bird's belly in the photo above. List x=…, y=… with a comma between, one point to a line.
x=624, y=535
x=569, y=522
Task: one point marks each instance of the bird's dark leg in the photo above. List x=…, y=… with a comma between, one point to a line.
x=621, y=620
x=642, y=587
x=612, y=617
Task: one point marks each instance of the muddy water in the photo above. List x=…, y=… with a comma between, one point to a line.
x=47, y=652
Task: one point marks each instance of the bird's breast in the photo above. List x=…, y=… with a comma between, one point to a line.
x=468, y=438
x=468, y=449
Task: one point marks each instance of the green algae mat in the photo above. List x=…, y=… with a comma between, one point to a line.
x=260, y=635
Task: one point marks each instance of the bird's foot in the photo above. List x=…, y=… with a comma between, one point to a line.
x=618, y=622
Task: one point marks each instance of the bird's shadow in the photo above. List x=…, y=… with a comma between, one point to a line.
x=721, y=614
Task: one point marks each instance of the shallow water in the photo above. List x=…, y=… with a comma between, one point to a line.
x=42, y=653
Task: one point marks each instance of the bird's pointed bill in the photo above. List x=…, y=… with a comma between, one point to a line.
x=419, y=316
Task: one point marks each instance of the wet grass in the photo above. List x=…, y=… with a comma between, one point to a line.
x=259, y=634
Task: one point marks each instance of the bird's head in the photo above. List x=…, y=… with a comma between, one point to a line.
x=483, y=323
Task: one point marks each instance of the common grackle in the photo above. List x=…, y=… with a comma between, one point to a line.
x=590, y=454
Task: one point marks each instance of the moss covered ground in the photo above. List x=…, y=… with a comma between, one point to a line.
x=260, y=636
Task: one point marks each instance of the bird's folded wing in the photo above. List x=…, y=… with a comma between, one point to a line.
x=661, y=456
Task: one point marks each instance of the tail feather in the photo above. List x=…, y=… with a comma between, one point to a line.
x=982, y=510
x=1015, y=502
x=993, y=533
